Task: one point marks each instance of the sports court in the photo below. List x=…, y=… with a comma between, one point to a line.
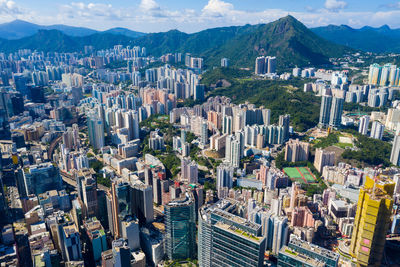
x=300, y=174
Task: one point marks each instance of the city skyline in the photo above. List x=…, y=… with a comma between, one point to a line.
x=193, y=16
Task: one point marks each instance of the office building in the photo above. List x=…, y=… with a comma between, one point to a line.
x=225, y=239
x=130, y=232
x=142, y=200
x=372, y=221
x=96, y=131
x=305, y=254
x=96, y=237
x=71, y=243
x=121, y=253
x=41, y=178
x=121, y=205
x=180, y=228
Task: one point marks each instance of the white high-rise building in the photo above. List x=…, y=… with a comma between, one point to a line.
x=130, y=232
x=96, y=131
x=395, y=155
x=363, y=125
x=377, y=130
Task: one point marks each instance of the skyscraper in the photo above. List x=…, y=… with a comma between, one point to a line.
x=41, y=178
x=377, y=130
x=121, y=205
x=395, y=155
x=284, y=121
x=326, y=103
x=323, y=158
x=372, y=221
x=335, y=118
x=96, y=131
x=302, y=253
x=180, y=228
x=226, y=239
x=363, y=125
x=296, y=150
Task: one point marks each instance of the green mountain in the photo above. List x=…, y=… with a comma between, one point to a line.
x=287, y=39
x=369, y=39
x=125, y=32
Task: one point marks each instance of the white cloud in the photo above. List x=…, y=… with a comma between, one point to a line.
x=217, y=8
x=149, y=16
x=8, y=7
x=148, y=5
x=335, y=5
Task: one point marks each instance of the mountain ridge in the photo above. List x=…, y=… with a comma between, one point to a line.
x=287, y=38
x=18, y=29
x=367, y=38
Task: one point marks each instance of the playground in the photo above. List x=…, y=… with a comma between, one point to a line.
x=300, y=174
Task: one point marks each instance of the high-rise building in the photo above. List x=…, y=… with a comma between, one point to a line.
x=224, y=62
x=41, y=178
x=225, y=239
x=121, y=253
x=72, y=243
x=142, y=202
x=296, y=150
x=130, y=232
x=227, y=125
x=395, y=155
x=377, y=130
x=121, y=205
x=204, y=133
x=335, y=117
x=88, y=193
x=323, y=158
x=224, y=179
x=302, y=253
x=96, y=237
x=363, y=125
x=284, y=121
x=326, y=103
x=180, y=228
x=96, y=131
x=260, y=65
x=189, y=171
x=372, y=221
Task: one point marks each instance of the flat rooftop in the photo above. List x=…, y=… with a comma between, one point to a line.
x=301, y=257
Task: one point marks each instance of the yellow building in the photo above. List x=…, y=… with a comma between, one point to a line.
x=372, y=220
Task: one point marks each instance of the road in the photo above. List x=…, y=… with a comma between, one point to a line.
x=70, y=180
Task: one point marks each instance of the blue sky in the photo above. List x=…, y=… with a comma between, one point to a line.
x=195, y=15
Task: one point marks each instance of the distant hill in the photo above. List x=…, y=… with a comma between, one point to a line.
x=369, y=39
x=19, y=29
x=287, y=39
x=124, y=31
x=56, y=41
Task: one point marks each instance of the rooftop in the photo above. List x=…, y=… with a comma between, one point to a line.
x=301, y=257
x=314, y=248
x=239, y=232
